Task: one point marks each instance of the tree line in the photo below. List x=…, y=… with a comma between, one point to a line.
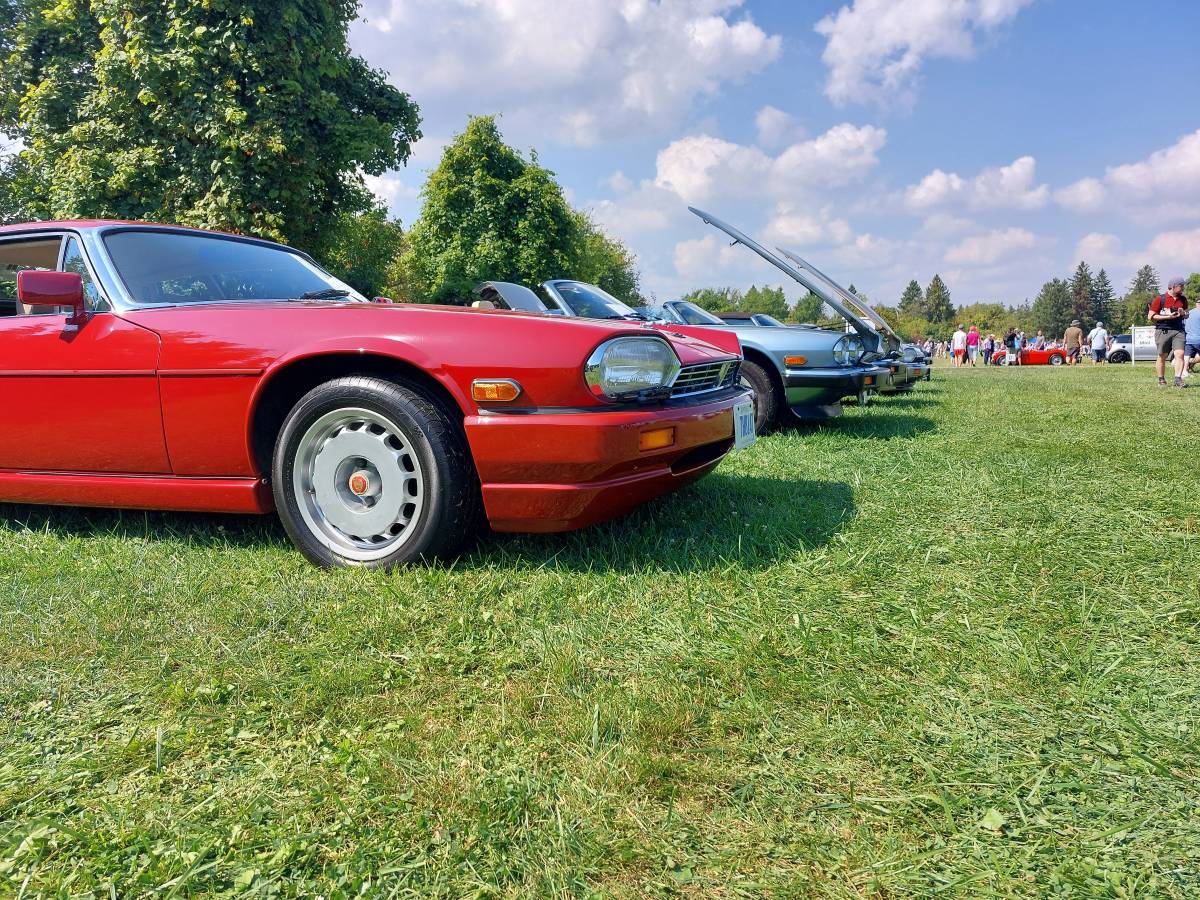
x=929, y=312
x=254, y=117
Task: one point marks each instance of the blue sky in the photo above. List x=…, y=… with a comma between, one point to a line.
x=994, y=141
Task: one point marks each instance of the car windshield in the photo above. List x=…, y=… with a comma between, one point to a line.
x=770, y=321
x=694, y=315
x=589, y=301
x=174, y=267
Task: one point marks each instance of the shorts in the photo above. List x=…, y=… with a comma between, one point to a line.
x=1190, y=350
x=973, y=353
x=1168, y=340
x=1098, y=355
x=1073, y=354
x=958, y=354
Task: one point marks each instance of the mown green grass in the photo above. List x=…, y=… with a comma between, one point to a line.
x=946, y=644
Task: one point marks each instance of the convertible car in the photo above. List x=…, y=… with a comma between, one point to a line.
x=1050, y=356
x=156, y=367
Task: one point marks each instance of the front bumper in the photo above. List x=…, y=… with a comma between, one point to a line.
x=818, y=393
x=558, y=470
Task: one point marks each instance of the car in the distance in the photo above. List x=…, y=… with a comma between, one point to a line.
x=1031, y=356
x=157, y=367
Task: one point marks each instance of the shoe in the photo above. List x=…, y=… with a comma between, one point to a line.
x=1178, y=381
x=1162, y=382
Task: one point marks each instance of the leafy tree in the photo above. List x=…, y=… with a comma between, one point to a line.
x=807, y=309
x=1081, y=291
x=938, y=308
x=912, y=301
x=1145, y=281
x=491, y=214
x=1053, y=308
x=1104, y=302
x=1191, y=290
x=986, y=316
x=725, y=299
x=1137, y=307
x=769, y=300
x=250, y=116
x=362, y=250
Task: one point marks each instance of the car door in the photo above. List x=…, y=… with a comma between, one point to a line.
x=75, y=398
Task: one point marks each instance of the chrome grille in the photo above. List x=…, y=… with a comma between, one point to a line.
x=705, y=377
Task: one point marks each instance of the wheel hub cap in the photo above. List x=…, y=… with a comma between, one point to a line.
x=359, y=483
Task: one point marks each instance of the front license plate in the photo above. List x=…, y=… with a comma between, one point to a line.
x=743, y=425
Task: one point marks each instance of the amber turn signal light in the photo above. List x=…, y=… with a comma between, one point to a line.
x=870, y=379
x=656, y=439
x=795, y=360
x=495, y=390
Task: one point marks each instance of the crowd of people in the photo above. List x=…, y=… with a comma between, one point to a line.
x=1176, y=335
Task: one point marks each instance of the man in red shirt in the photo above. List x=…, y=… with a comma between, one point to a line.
x=1167, y=312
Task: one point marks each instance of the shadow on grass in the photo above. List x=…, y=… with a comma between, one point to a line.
x=750, y=520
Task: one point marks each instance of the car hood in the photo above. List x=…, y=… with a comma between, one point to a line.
x=851, y=299
x=857, y=322
x=692, y=347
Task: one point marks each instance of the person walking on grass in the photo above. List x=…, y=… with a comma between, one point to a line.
x=1073, y=341
x=988, y=348
x=973, y=344
x=958, y=343
x=1167, y=312
x=1012, y=348
x=1098, y=340
x=1191, y=340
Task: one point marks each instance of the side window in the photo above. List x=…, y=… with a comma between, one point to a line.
x=18, y=256
x=73, y=262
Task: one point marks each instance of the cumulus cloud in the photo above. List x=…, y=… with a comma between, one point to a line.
x=1175, y=248
x=594, y=70
x=796, y=227
x=1168, y=179
x=692, y=167
x=990, y=248
x=775, y=128
x=1006, y=187
x=875, y=48
x=1100, y=249
x=392, y=191
x=701, y=258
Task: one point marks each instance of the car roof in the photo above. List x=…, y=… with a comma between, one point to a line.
x=95, y=224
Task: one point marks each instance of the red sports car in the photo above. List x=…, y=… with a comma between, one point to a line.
x=156, y=367
x=1050, y=356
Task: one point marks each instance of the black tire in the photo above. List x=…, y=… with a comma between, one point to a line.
x=1120, y=356
x=766, y=400
x=434, y=478
x=1057, y=359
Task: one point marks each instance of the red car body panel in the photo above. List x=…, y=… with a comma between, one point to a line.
x=1032, y=357
x=154, y=407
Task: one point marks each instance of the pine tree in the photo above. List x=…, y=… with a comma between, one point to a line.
x=1145, y=281
x=912, y=301
x=1104, y=301
x=1081, y=291
x=938, y=308
x=1053, y=308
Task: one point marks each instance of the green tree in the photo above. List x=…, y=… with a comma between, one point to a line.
x=489, y=213
x=1081, y=285
x=1145, y=281
x=362, y=251
x=1104, y=303
x=938, y=308
x=912, y=301
x=986, y=316
x=769, y=300
x=1053, y=308
x=1191, y=290
x=808, y=310
x=725, y=299
x=251, y=116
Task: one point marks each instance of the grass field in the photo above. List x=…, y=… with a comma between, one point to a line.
x=950, y=643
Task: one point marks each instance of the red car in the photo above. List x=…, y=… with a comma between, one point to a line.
x=1051, y=356
x=155, y=367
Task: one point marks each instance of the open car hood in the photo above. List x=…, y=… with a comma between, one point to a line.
x=851, y=299
x=814, y=284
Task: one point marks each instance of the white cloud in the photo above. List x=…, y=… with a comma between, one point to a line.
x=619, y=183
x=1006, y=187
x=875, y=48
x=587, y=71
x=693, y=167
x=391, y=189
x=797, y=228
x=1085, y=195
x=1175, y=248
x=775, y=128
x=702, y=257
x=990, y=248
x=1102, y=251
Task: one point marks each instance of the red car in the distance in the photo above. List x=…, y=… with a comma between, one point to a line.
x=156, y=367
x=1049, y=356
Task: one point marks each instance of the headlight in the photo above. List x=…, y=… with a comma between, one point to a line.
x=624, y=367
x=847, y=350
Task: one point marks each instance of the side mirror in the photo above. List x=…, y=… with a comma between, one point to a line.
x=41, y=292
x=382, y=300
